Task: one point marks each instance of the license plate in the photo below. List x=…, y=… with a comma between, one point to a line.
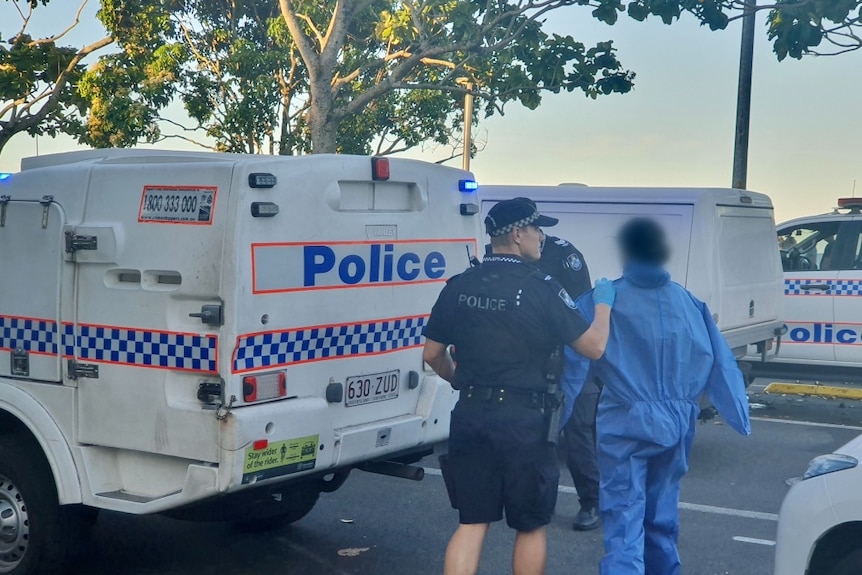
x=363, y=389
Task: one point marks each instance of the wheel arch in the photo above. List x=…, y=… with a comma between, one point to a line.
x=21, y=412
x=834, y=546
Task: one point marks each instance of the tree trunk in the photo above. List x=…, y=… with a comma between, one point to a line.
x=323, y=140
x=321, y=121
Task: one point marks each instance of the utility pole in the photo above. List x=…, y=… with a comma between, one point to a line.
x=743, y=98
x=468, y=125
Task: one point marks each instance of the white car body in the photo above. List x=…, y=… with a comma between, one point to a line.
x=822, y=262
x=820, y=523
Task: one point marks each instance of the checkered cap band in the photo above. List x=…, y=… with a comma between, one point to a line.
x=301, y=345
x=519, y=224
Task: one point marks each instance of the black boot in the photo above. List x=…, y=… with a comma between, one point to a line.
x=587, y=518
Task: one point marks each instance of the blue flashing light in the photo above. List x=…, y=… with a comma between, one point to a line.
x=4, y=176
x=467, y=185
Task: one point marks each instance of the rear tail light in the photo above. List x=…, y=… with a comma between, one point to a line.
x=264, y=386
x=379, y=169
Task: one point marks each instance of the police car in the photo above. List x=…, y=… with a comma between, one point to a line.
x=822, y=261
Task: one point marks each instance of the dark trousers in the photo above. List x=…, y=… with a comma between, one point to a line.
x=580, y=435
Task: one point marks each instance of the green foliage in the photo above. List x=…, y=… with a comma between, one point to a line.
x=244, y=79
x=795, y=27
x=38, y=79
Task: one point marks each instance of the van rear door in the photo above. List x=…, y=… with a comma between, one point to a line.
x=591, y=227
x=749, y=267
x=336, y=273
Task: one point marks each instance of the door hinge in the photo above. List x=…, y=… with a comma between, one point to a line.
x=4, y=202
x=77, y=370
x=75, y=242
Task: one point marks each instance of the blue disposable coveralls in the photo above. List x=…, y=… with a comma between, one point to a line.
x=664, y=352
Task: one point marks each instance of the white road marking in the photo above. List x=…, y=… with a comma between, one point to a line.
x=808, y=423
x=766, y=542
x=744, y=513
x=728, y=511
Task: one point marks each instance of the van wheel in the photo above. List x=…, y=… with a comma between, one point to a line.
x=301, y=503
x=850, y=565
x=36, y=534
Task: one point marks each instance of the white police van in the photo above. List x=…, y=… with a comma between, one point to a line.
x=722, y=242
x=214, y=336
x=822, y=261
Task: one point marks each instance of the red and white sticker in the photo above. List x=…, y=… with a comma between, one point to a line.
x=191, y=205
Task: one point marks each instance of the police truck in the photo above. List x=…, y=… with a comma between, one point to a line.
x=214, y=336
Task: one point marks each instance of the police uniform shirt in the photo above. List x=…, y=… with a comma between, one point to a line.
x=504, y=318
x=566, y=264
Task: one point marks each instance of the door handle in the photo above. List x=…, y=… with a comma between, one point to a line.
x=821, y=287
x=209, y=314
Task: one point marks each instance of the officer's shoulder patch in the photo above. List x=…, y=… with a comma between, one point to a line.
x=573, y=261
x=561, y=242
x=567, y=299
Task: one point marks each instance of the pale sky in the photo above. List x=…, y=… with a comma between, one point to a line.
x=675, y=128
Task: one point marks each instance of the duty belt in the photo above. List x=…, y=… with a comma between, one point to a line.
x=503, y=396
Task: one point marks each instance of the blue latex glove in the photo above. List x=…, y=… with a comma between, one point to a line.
x=604, y=292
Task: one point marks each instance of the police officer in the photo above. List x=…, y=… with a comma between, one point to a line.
x=505, y=318
x=567, y=265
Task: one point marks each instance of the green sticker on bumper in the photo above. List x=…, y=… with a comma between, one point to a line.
x=280, y=458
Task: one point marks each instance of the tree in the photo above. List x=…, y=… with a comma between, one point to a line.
x=355, y=76
x=38, y=78
x=498, y=46
x=795, y=27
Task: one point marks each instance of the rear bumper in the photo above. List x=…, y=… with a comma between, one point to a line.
x=740, y=338
x=313, y=422
x=295, y=440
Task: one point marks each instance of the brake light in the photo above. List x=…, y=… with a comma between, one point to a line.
x=264, y=386
x=260, y=444
x=379, y=169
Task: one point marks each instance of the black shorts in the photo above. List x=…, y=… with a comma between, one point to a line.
x=499, y=460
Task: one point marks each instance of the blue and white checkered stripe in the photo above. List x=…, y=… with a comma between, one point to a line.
x=168, y=350
x=331, y=342
x=135, y=347
x=837, y=287
x=34, y=335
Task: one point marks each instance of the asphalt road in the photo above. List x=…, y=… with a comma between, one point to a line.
x=378, y=525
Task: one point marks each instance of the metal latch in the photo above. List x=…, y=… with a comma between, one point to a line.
x=20, y=362
x=75, y=242
x=209, y=314
x=77, y=370
x=46, y=205
x=4, y=203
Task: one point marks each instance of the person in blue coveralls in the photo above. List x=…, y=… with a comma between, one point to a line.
x=664, y=352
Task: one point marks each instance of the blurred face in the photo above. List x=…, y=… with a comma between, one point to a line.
x=529, y=240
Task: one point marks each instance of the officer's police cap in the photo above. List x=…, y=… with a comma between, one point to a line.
x=507, y=215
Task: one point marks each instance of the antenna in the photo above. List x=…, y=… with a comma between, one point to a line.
x=854, y=187
x=474, y=261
